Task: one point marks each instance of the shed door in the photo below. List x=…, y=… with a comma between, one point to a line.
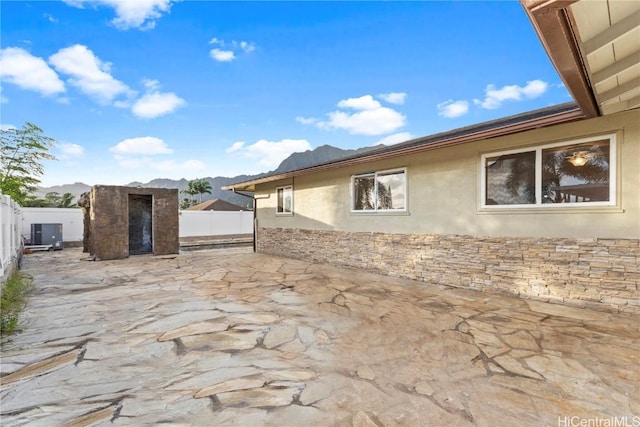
x=140, y=225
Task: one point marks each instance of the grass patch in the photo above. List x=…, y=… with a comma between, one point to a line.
x=14, y=294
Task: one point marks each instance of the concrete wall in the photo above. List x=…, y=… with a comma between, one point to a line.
x=582, y=256
x=444, y=186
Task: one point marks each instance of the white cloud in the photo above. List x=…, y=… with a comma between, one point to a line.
x=230, y=49
x=373, y=119
x=452, y=109
x=154, y=103
x=365, y=102
x=270, y=153
x=138, y=154
x=235, y=147
x=247, y=47
x=147, y=145
x=306, y=120
x=88, y=73
x=150, y=84
x=141, y=14
x=157, y=104
x=393, y=97
x=70, y=151
x=495, y=97
x=222, y=55
x=395, y=138
x=30, y=72
x=7, y=126
x=370, y=117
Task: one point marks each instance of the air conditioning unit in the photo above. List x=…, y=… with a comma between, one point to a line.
x=47, y=235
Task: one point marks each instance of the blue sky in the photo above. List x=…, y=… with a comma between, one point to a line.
x=149, y=89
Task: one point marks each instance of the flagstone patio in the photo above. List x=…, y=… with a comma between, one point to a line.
x=229, y=337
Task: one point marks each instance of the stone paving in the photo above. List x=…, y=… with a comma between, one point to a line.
x=229, y=337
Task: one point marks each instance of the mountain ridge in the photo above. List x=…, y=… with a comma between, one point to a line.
x=322, y=154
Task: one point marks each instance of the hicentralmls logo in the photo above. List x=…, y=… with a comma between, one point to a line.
x=576, y=421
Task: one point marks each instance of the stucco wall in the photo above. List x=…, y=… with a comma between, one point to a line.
x=443, y=192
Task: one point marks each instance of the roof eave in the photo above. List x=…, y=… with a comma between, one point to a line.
x=552, y=21
x=561, y=117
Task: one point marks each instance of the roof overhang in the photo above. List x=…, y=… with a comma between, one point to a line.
x=595, y=47
x=493, y=129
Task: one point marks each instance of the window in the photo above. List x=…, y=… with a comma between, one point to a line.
x=574, y=173
x=379, y=191
x=285, y=200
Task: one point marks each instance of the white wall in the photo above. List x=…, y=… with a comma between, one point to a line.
x=71, y=220
x=10, y=218
x=192, y=223
x=215, y=223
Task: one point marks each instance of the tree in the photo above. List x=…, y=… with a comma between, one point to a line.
x=184, y=204
x=201, y=186
x=22, y=152
x=556, y=166
x=51, y=200
x=191, y=191
x=66, y=201
x=364, y=198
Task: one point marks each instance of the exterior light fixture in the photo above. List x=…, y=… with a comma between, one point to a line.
x=580, y=158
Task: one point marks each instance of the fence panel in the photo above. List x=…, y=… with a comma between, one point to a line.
x=71, y=220
x=192, y=223
x=215, y=223
x=10, y=240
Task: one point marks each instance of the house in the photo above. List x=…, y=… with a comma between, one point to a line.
x=216, y=205
x=544, y=205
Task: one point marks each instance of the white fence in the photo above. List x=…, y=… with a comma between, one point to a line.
x=10, y=245
x=192, y=223
x=71, y=220
x=215, y=223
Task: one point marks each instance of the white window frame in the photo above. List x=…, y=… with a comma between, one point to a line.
x=375, y=174
x=286, y=189
x=613, y=162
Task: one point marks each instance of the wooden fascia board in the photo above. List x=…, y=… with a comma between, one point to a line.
x=555, y=31
x=538, y=5
x=447, y=142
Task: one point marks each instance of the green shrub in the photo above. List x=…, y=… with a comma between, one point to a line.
x=14, y=295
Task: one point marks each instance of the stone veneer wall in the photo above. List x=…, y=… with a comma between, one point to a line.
x=601, y=274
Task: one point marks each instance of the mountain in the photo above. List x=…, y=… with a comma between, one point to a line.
x=322, y=154
x=76, y=189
